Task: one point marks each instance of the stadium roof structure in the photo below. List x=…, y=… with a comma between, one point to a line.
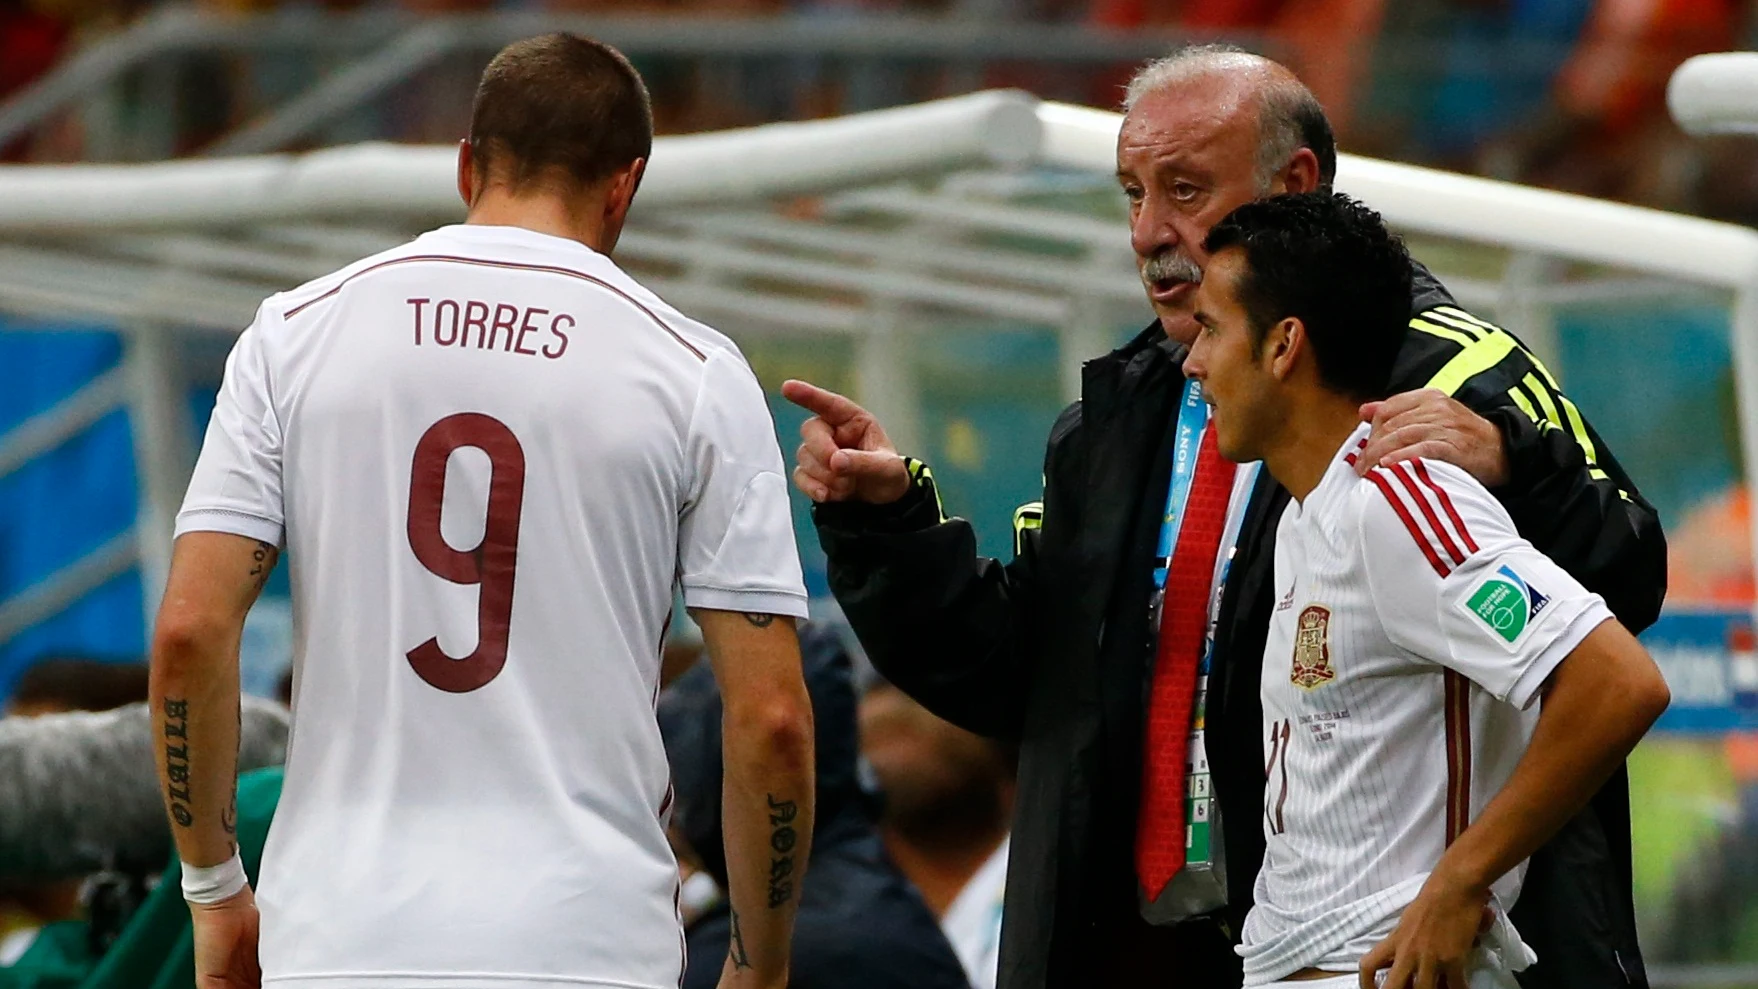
x=993, y=206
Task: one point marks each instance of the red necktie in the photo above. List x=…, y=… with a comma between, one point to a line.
x=1159, y=831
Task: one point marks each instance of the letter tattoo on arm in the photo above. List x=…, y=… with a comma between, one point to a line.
x=741, y=959
x=262, y=561
x=782, y=838
x=177, y=760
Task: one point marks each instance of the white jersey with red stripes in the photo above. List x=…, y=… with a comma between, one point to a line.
x=1412, y=633
x=490, y=454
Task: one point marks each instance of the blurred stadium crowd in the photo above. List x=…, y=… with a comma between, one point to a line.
x=1536, y=91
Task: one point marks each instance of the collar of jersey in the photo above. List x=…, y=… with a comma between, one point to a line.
x=1338, y=477
x=509, y=234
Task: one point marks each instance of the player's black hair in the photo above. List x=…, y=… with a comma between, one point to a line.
x=559, y=103
x=1328, y=261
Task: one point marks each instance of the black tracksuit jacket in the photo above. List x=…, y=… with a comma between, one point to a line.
x=1053, y=649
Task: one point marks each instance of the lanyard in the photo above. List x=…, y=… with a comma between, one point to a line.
x=1245, y=482
x=1193, y=415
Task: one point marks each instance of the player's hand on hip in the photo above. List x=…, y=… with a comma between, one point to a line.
x=844, y=454
x=225, y=943
x=1429, y=423
x=1434, y=938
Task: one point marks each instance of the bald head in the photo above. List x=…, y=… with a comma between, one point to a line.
x=1236, y=82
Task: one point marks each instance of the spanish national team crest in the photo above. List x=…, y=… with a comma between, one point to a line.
x=1312, y=648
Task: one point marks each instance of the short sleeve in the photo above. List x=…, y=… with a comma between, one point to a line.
x=236, y=487
x=736, y=549
x=1456, y=585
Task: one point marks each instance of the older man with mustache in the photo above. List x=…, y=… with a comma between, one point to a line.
x=1122, y=646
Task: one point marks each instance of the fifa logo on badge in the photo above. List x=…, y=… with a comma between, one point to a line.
x=1312, y=648
x=1506, y=603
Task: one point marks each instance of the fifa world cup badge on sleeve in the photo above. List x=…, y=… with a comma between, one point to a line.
x=1312, y=648
x=1505, y=603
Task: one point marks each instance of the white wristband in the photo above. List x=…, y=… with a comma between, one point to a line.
x=213, y=883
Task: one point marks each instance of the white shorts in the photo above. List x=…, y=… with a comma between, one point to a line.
x=1481, y=977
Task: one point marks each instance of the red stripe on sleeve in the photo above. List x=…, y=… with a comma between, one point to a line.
x=1434, y=521
x=1447, y=504
x=1378, y=477
x=1457, y=716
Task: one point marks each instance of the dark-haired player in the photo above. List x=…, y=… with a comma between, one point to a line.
x=489, y=453
x=1411, y=769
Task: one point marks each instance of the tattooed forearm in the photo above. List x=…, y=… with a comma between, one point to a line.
x=177, y=760
x=782, y=838
x=740, y=958
x=229, y=816
x=759, y=620
x=262, y=560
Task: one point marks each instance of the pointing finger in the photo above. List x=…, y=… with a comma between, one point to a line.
x=828, y=405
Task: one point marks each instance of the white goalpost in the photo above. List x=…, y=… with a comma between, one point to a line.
x=989, y=209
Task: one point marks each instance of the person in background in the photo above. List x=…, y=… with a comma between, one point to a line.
x=1605, y=130
x=56, y=685
x=71, y=683
x=860, y=924
x=1412, y=768
x=948, y=797
x=32, y=41
x=1121, y=647
x=476, y=782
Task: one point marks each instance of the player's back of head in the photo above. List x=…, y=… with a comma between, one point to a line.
x=1328, y=261
x=559, y=108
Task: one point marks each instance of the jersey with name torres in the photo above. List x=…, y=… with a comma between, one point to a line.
x=490, y=453
x=1413, y=631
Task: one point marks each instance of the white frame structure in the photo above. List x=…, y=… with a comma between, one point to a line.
x=164, y=267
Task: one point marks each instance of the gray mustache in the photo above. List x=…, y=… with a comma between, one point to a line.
x=1171, y=266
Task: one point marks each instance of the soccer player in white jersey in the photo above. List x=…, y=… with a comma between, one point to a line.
x=1438, y=697
x=489, y=454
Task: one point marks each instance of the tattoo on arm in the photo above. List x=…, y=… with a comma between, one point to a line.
x=782, y=838
x=177, y=760
x=262, y=561
x=740, y=958
x=759, y=620
x=229, y=816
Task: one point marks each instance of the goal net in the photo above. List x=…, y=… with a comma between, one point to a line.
x=950, y=265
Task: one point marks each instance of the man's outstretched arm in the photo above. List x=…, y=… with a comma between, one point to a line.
x=767, y=797
x=941, y=622
x=215, y=578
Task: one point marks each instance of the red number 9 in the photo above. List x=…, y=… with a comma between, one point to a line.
x=490, y=564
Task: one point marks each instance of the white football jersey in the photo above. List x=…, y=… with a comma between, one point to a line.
x=1413, y=631
x=490, y=453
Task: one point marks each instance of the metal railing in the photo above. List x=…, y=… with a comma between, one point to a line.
x=128, y=89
